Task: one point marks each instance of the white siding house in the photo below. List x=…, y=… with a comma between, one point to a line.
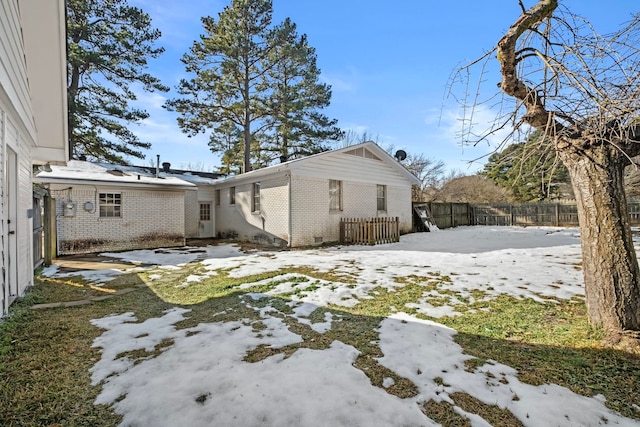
x=301, y=202
x=33, y=125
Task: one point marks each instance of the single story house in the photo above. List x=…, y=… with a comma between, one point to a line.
x=301, y=202
x=103, y=207
x=33, y=127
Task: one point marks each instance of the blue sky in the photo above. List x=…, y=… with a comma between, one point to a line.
x=389, y=63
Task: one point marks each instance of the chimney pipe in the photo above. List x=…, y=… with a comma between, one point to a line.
x=157, y=165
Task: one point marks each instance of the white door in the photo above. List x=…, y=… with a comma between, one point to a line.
x=11, y=180
x=205, y=228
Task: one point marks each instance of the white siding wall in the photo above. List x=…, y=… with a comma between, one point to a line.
x=19, y=103
x=150, y=218
x=11, y=137
x=14, y=88
x=269, y=226
x=17, y=132
x=4, y=302
x=25, y=224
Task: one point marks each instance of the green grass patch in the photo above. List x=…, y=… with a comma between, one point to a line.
x=45, y=355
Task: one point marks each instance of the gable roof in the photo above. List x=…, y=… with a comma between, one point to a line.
x=89, y=173
x=368, y=149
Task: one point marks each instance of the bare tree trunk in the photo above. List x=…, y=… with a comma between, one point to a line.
x=611, y=273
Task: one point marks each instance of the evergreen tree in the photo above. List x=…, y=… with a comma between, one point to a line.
x=228, y=63
x=227, y=140
x=296, y=128
x=530, y=169
x=262, y=79
x=109, y=44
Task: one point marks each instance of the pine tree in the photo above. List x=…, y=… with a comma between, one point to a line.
x=296, y=128
x=109, y=44
x=260, y=78
x=228, y=63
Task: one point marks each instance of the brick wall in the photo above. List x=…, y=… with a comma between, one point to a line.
x=150, y=219
x=268, y=226
x=313, y=223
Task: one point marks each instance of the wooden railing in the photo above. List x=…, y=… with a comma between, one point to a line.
x=369, y=231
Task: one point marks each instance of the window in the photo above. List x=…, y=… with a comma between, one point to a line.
x=205, y=211
x=232, y=195
x=335, y=195
x=255, y=197
x=382, y=197
x=217, y=197
x=110, y=205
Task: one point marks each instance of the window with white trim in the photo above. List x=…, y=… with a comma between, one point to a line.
x=335, y=195
x=382, y=197
x=110, y=205
x=255, y=197
x=205, y=211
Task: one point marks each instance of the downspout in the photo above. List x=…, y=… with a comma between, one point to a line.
x=290, y=212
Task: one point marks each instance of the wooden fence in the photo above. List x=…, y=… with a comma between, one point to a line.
x=554, y=214
x=369, y=231
x=558, y=214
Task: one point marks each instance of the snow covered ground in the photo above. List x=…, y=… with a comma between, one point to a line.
x=202, y=379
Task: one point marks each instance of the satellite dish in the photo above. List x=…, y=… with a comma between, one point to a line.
x=400, y=155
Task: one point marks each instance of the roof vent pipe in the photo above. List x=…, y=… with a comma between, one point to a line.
x=157, y=165
x=166, y=166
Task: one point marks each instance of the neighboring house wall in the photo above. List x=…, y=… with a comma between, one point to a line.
x=17, y=141
x=150, y=218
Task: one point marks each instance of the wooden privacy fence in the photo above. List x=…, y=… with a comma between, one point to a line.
x=369, y=231
x=561, y=214
x=558, y=214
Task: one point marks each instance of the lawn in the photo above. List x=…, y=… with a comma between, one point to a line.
x=468, y=326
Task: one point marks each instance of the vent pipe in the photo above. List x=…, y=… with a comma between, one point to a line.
x=157, y=165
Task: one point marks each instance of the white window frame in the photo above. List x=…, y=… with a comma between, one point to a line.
x=255, y=197
x=205, y=208
x=110, y=204
x=335, y=195
x=232, y=195
x=381, y=198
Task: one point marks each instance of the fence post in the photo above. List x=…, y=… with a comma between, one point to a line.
x=557, y=214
